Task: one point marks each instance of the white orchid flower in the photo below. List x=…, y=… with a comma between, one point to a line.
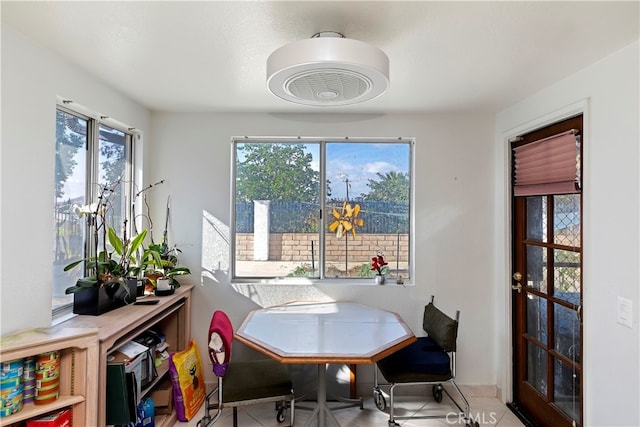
x=81, y=211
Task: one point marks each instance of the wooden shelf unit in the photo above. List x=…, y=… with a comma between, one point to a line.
x=78, y=364
x=85, y=342
x=171, y=316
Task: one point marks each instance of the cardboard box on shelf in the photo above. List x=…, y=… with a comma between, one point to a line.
x=57, y=419
x=162, y=397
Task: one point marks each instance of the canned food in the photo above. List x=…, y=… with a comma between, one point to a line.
x=29, y=375
x=10, y=373
x=42, y=384
x=46, y=399
x=9, y=384
x=48, y=356
x=47, y=366
x=42, y=391
x=12, y=364
x=30, y=363
x=11, y=399
x=47, y=373
x=47, y=361
x=5, y=412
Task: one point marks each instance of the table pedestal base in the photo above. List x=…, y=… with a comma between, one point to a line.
x=322, y=411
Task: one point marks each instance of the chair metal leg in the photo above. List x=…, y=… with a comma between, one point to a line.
x=466, y=409
x=292, y=411
x=207, y=419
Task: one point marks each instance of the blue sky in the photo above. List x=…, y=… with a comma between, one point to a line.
x=359, y=162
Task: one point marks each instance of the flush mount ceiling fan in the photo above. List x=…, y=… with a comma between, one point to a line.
x=327, y=69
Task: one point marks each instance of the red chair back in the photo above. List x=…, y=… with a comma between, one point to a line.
x=220, y=339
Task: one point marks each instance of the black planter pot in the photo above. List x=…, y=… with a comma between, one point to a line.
x=95, y=301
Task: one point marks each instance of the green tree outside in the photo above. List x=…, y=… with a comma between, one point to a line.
x=70, y=137
x=276, y=172
x=391, y=187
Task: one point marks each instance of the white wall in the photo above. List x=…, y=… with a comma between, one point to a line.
x=609, y=89
x=461, y=210
x=32, y=78
x=454, y=218
x=454, y=209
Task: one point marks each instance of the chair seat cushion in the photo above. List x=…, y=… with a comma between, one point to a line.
x=428, y=344
x=255, y=379
x=421, y=361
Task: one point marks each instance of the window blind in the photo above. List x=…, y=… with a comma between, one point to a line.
x=548, y=166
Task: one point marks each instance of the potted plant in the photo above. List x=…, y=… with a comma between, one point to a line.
x=161, y=267
x=160, y=262
x=379, y=265
x=112, y=270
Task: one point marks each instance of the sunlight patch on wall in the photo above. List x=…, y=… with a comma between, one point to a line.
x=215, y=249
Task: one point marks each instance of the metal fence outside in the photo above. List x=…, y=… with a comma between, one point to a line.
x=300, y=217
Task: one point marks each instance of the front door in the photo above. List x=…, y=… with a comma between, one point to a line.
x=547, y=299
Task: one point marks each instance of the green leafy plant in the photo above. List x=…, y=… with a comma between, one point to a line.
x=161, y=262
x=108, y=266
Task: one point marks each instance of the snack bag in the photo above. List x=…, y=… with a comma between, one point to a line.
x=187, y=377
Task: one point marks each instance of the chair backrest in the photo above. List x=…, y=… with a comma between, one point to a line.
x=440, y=327
x=220, y=339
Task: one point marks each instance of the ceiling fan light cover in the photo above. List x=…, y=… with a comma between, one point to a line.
x=327, y=71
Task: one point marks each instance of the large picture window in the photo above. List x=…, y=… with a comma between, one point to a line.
x=288, y=225
x=90, y=155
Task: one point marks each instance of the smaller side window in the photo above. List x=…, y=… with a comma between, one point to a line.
x=89, y=155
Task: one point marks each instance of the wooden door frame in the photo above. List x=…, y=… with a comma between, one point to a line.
x=513, y=236
x=504, y=237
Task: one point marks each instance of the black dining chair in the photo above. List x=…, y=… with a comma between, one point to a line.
x=243, y=382
x=431, y=360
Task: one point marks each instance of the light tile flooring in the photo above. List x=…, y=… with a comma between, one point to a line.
x=487, y=411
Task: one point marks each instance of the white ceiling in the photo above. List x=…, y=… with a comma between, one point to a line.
x=210, y=56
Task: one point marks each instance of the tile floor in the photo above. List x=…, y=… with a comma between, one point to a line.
x=487, y=411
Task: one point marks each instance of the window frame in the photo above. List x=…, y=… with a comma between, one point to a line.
x=324, y=210
x=92, y=175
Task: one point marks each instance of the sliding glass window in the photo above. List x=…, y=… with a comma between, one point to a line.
x=288, y=225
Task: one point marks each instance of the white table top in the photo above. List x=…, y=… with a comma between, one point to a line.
x=324, y=332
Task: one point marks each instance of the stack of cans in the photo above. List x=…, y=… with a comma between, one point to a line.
x=11, y=387
x=29, y=380
x=47, y=377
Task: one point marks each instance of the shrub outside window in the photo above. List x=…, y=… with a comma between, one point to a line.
x=287, y=225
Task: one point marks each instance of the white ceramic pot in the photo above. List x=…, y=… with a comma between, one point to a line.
x=378, y=279
x=163, y=284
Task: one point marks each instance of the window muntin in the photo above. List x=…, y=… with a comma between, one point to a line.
x=89, y=155
x=283, y=218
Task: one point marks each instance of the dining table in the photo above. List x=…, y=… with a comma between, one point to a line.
x=322, y=333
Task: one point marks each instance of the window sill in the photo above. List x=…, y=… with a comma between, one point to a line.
x=59, y=318
x=298, y=281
